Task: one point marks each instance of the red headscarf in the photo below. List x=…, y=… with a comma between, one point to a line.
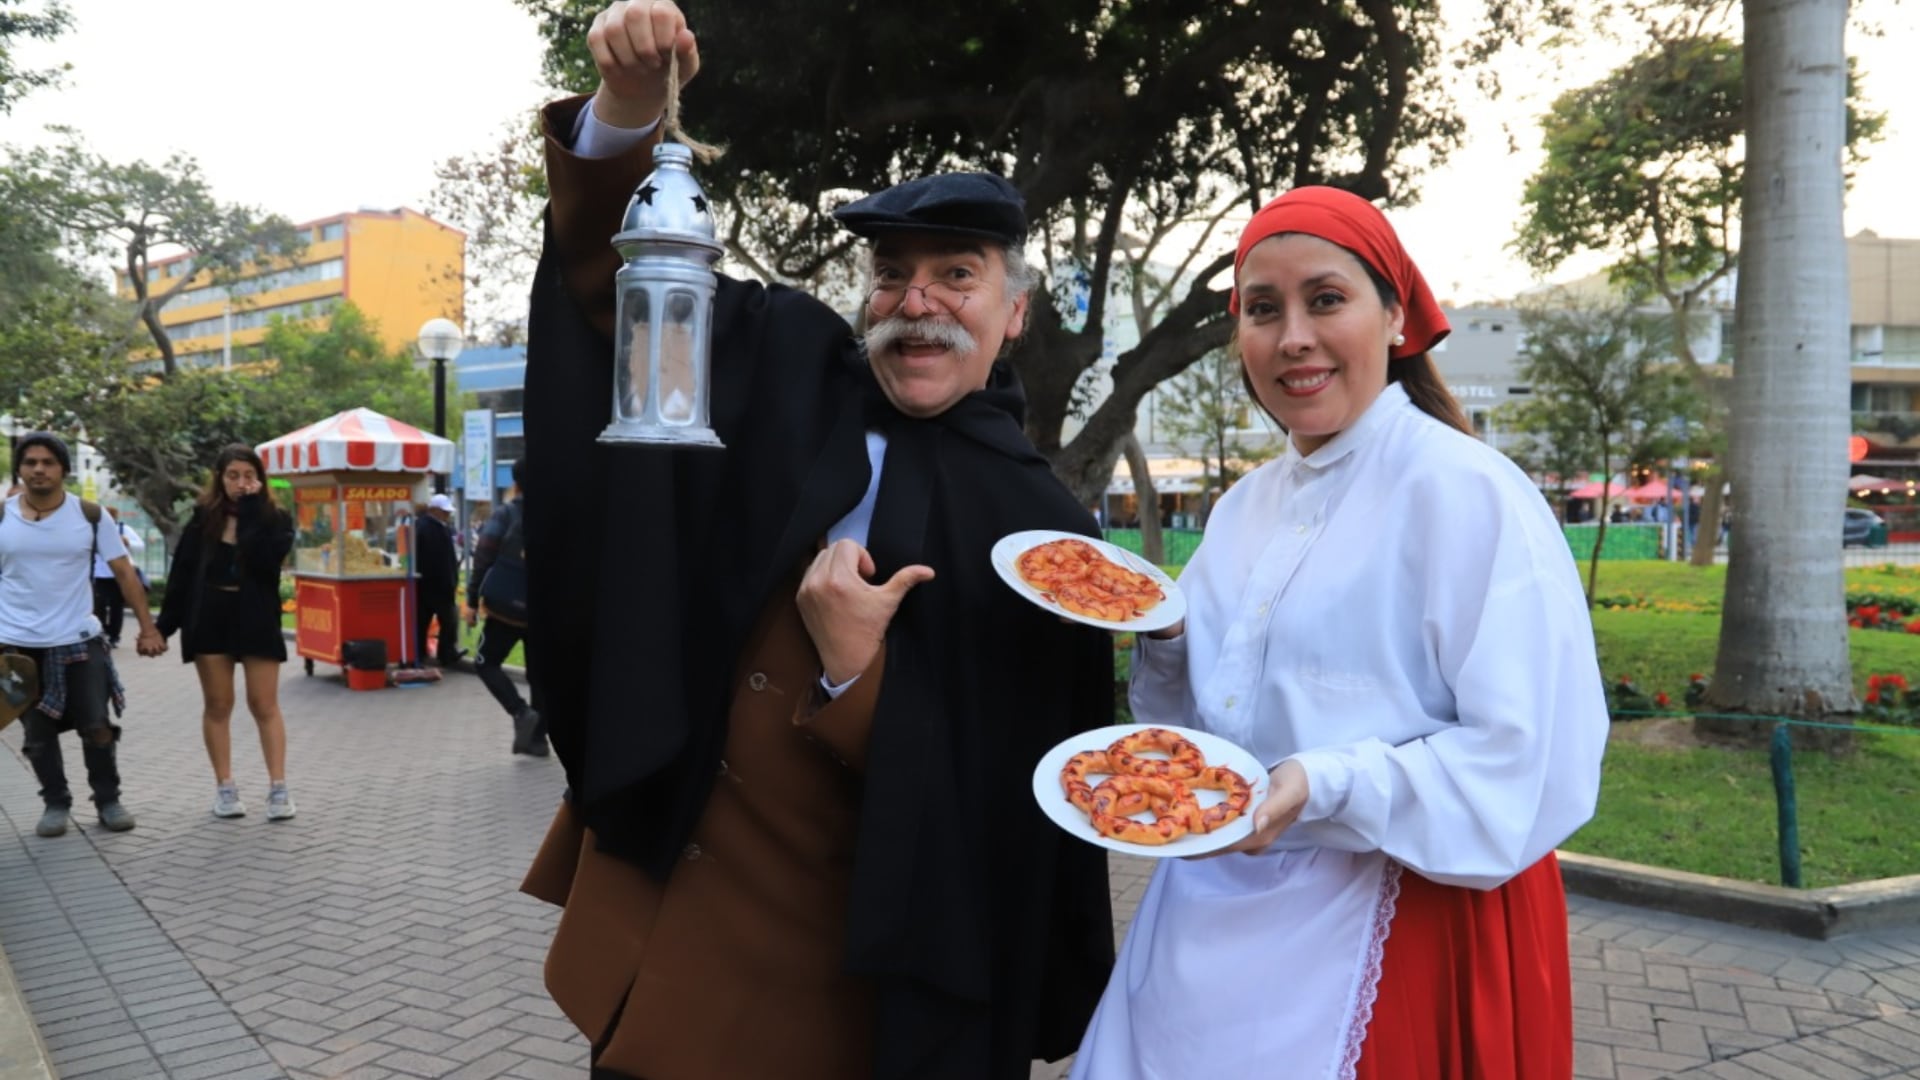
x=1343, y=218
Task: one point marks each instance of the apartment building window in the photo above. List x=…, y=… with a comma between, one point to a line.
x=332, y=231
x=251, y=320
x=327, y=270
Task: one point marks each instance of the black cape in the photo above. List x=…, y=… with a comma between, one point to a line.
x=986, y=931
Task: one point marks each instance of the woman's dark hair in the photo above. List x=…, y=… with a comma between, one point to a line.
x=213, y=501
x=1416, y=373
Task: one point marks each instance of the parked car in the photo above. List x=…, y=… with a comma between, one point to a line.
x=1863, y=527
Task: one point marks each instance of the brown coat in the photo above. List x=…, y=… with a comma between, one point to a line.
x=734, y=968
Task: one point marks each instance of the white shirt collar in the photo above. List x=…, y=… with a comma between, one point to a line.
x=1391, y=402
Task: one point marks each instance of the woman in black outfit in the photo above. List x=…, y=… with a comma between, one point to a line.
x=223, y=592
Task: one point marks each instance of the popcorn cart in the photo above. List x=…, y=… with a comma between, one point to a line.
x=356, y=478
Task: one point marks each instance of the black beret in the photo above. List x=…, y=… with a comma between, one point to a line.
x=948, y=204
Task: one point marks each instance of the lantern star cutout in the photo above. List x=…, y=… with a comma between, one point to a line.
x=700, y=203
x=646, y=193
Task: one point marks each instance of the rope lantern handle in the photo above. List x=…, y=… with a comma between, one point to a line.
x=706, y=152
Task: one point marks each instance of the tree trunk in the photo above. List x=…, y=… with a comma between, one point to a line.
x=1783, y=632
x=1153, y=546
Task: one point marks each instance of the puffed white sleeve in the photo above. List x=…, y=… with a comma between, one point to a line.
x=1506, y=627
x=1157, y=690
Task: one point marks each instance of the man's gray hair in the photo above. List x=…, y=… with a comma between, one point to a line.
x=1021, y=278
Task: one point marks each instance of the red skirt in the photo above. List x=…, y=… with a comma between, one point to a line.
x=1475, y=985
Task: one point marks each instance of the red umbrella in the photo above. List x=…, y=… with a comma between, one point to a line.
x=1650, y=492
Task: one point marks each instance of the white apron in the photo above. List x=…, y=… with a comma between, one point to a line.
x=1200, y=995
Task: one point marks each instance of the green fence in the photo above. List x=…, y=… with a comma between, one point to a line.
x=1178, y=542
x=1623, y=541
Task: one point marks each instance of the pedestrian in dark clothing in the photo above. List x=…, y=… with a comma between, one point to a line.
x=438, y=569
x=223, y=595
x=498, y=585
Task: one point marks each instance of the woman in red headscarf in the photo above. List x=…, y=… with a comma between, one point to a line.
x=1388, y=616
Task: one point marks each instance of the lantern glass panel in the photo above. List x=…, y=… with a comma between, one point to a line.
x=679, y=374
x=636, y=334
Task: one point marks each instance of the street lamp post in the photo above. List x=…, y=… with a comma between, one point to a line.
x=440, y=341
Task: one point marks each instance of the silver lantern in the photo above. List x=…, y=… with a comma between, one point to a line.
x=663, y=321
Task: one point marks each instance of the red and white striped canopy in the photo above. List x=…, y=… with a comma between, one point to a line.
x=357, y=439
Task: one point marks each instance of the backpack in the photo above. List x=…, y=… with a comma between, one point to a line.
x=504, y=589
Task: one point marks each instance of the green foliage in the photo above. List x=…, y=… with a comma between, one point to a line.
x=1643, y=165
x=342, y=364
x=131, y=211
x=1646, y=165
x=1116, y=121
x=15, y=23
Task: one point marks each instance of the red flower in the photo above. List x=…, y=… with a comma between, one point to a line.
x=1626, y=680
x=1868, y=612
x=1913, y=626
x=1898, y=681
x=1660, y=699
x=1696, y=677
x=1873, y=696
x=1873, y=682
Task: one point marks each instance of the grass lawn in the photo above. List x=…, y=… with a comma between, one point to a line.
x=1711, y=809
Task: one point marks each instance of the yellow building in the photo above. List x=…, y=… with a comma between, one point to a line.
x=399, y=267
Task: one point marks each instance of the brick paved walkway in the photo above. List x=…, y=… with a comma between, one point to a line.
x=379, y=934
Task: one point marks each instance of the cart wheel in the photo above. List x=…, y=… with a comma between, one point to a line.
x=309, y=667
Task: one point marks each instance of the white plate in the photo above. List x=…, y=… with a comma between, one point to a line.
x=1053, y=799
x=1008, y=550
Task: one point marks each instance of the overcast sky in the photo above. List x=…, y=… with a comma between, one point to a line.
x=311, y=109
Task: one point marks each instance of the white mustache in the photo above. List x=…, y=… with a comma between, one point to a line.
x=944, y=332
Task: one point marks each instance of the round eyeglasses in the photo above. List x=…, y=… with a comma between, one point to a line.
x=943, y=297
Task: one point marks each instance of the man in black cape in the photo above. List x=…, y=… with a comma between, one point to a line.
x=799, y=715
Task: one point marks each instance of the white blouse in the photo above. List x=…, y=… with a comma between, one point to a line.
x=1400, y=613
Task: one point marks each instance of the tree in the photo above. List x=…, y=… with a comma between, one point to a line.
x=495, y=196
x=1646, y=165
x=1783, y=634
x=1204, y=409
x=1600, y=376
x=342, y=364
x=49, y=22
x=1112, y=119
x=1548, y=442
x=134, y=210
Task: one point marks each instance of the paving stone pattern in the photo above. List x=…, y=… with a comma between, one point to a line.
x=380, y=934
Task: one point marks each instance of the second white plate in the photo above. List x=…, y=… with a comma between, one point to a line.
x=1053, y=800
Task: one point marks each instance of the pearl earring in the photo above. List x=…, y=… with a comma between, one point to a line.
x=1399, y=339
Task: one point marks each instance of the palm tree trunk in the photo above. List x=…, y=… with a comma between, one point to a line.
x=1783, y=632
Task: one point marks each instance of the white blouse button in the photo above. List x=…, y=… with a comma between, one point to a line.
x=756, y=681
x=691, y=851
x=1231, y=701
x=1300, y=529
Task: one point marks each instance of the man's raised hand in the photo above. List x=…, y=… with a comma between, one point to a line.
x=631, y=42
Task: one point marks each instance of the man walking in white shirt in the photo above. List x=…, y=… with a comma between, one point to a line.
x=48, y=541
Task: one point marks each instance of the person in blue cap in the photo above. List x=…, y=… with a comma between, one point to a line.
x=798, y=712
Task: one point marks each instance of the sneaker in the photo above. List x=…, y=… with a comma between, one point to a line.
x=279, y=804
x=226, y=802
x=526, y=725
x=115, y=818
x=53, y=822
